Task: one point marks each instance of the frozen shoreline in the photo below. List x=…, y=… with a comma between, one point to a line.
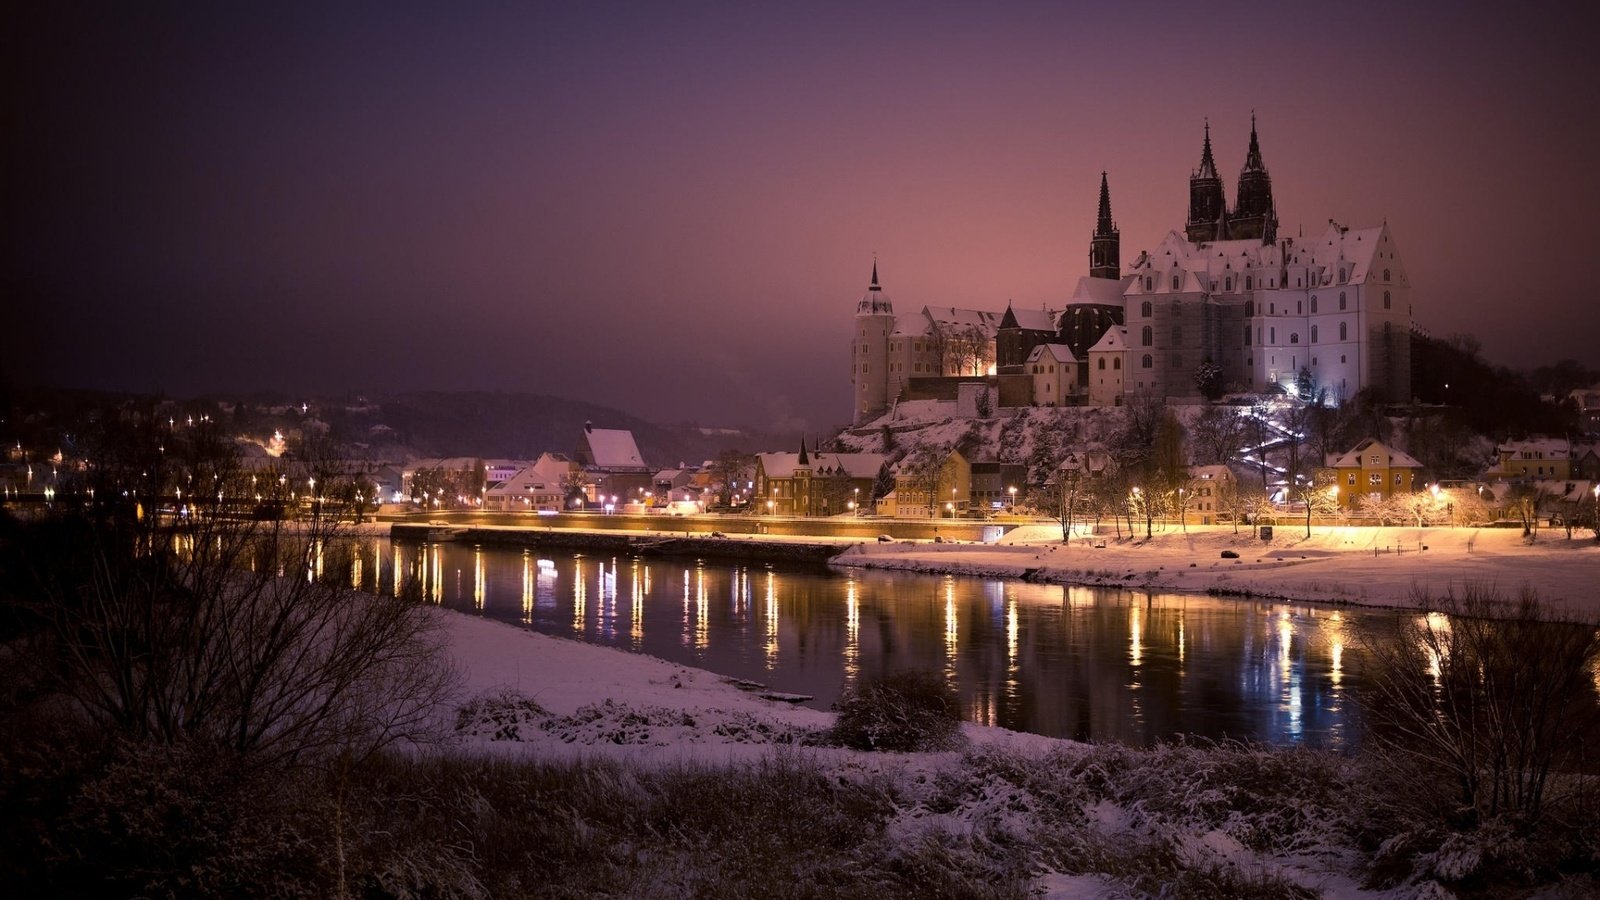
x=1365, y=566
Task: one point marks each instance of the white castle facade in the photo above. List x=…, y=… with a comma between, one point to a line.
x=1331, y=313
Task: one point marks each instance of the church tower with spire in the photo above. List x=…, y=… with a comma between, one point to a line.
x=1208, y=206
x=1105, y=247
x=1254, y=216
x=869, y=351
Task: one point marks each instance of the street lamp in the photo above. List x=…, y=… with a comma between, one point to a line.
x=1013, y=492
x=856, y=503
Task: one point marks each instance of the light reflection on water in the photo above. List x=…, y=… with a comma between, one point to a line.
x=1086, y=663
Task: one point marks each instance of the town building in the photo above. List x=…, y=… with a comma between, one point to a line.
x=1537, y=459
x=1329, y=314
x=610, y=465
x=1054, y=372
x=814, y=484
x=1373, y=471
x=942, y=492
x=540, y=486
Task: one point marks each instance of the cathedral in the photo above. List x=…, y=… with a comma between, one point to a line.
x=1224, y=304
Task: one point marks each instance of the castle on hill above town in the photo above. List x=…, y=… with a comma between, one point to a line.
x=1225, y=303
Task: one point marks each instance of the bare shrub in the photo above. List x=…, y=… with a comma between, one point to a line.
x=165, y=611
x=1483, y=712
x=905, y=712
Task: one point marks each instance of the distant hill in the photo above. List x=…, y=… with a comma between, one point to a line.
x=391, y=427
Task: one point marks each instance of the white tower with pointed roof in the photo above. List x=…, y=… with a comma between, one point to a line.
x=869, y=352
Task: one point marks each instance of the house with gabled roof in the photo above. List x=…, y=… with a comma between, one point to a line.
x=611, y=465
x=1372, y=469
x=1106, y=360
x=814, y=484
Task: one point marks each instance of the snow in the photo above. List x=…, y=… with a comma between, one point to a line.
x=545, y=697
x=1366, y=566
x=612, y=448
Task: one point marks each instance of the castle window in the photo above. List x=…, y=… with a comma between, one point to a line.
x=1148, y=361
x=1116, y=362
x=1147, y=283
x=1102, y=366
x=1273, y=334
x=1299, y=308
x=1344, y=331
x=1247, y=335
x=1386, y=329
x=1341, y=359
x=1272, y=309
x=1385, y=275
x=1294, y=337
x=1313, y=334
x=1144, y=309
x=1174, y=282
x=1386, y=300
x=1341, y=301
x=1249, y=308
x=1227, y=284
x=1313, y=304
x=1147, y=336
x=1249, y=283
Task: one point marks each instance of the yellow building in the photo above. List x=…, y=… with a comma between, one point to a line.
x=1373, y=469
x=951, y=488
x=1539, y=459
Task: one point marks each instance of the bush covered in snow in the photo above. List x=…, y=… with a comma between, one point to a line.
x=905, y=712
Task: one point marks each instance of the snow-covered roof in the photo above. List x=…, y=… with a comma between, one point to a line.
x=1061, y=353
x=1208, y=265
x=1211, y=473
x=912, y=325
x=1115, y=340
x=1545, y=447
x=543, y=476
x=852, y=465
x=1035, y=319
x=611, y=448
x=1100, y=290
x=1358, y=455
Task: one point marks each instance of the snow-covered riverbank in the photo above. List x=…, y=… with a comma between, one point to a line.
x=1358, y=565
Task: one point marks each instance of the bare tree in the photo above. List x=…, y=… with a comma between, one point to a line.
x=186, y=622
x=1217, y=435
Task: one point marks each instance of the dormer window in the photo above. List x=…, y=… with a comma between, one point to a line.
x=1341, y=276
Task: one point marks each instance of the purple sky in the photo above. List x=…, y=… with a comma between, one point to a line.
x=674, y=212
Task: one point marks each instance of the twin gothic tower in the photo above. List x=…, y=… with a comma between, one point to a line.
x=1254, y=215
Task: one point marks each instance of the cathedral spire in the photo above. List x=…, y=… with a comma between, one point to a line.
x=1105, y=248
x=1252, y=160
x=1208, y=208
x=804, y=460
x=1103, y=224
x=874, y=285
x=1255, y=213
x=1208, y=164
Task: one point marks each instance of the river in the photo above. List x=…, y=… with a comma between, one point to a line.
x=1084, y=663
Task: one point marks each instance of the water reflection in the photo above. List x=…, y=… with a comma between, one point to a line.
x=1068, y=661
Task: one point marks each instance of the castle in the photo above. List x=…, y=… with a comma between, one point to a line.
x=1224, y=304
